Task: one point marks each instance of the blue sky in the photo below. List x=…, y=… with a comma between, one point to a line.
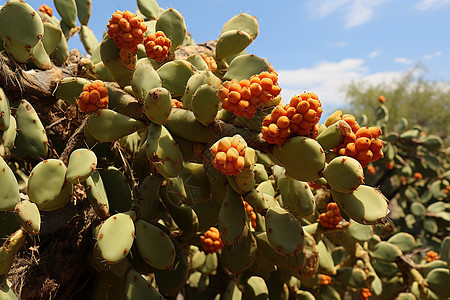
x=321, y=45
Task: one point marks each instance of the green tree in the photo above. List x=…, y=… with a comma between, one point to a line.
x=422, y=102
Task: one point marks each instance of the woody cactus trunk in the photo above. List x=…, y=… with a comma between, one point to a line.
x=154, y=167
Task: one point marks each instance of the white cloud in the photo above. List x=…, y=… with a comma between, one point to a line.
x=431, y=4
x=403, y=60
x=326, y=7
x=432, y=55
x=374, y=54
x=328, y=78
x=357, y=12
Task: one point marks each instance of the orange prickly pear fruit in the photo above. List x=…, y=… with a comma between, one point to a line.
x=93, y=97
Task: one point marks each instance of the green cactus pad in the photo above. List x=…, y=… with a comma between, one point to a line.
x=28, y=215
x=82, y=162
x=102, y=72
x=205, y=104
x=260, y=173
x=198, y=62
x=344, y=174
x=96, y=195
x=244, y=22
x=297, y=197
x=267, y=188
x=144, y=79
x=333, y=135
x=111, y=58
x=48, y=19
x=88, y=39
x=138, y=288
x=255, y=288
x=5, y=111
x=9, y=250
x=326, y=263
x=47, y=186
x=240, y=256
x=260, y=201
x=52, y=37
x=155, y=247
x=20, y=23
x=67, y=9
x=117, y=189
x=175, y=75
x=232, y=42
x=149, y=8
x=385, y=251
x=366, y=205
x=292, y=263
x=70, y=88
x=31, y=137
x=353, y=277
x=360, y=232
x=433, y=142
x=195, y=182
x=6, y=292
x=163, y=151
x=18, y=53
x=172, y=280
x=115, y=237
x=84, y=11
x=232, y=218
x=284, y=232
x=303, y=158
x=157, y=105
x=107, y=125
x=183, y=123
x=194, y=82
x=245, y=66
x=171, y=22
x=438, y=280
x=40, y=57
x=61, y=52
x=9, y=188
x=183, y=215
x=122, y=102
x=405, y=241
x=149, y=190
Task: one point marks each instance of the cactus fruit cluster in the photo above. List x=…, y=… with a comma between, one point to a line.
x=93, y=97
x=194, y=180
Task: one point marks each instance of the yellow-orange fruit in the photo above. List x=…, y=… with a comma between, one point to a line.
x=157, y=46
x=381, y=99
x=418, y=176
x=126, y=30
x=431, y=256
x=362, y=143
x=324, y=279
x=364, y=294
x=47, y=9
x=299, y=117
x=177, y=104
x=210, y=62
x=211, y=241
x=332, y=217
x=229, y=155
x=244, y=97
x=250, y=213
x=93, y=97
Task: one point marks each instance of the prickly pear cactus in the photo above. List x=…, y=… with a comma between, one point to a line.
x=155, y=167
